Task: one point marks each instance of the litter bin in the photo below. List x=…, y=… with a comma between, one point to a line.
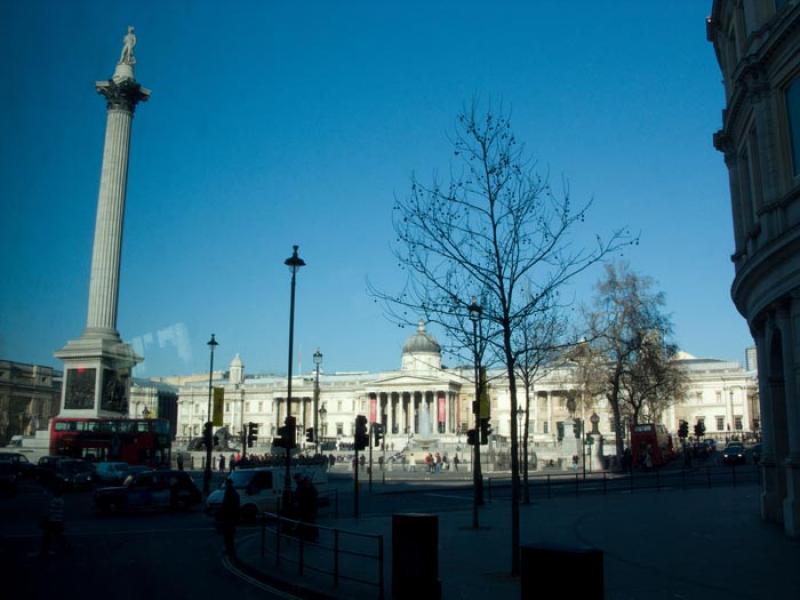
x=552, y=562
x=415, y=557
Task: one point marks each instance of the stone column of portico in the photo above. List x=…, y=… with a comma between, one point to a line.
x=549, y=400
x=389, y=414
x=789, y=323
x=770, y=505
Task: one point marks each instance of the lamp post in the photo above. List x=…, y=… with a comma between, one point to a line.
x=212, y=344
x=475, y=312
x=295, y=263
x=317, y=363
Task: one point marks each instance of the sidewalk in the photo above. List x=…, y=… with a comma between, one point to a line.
x=700, y=543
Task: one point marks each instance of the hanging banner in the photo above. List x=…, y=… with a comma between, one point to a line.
x=485, y=411
x=442, y=401
x=373, y=409
x=219, y=406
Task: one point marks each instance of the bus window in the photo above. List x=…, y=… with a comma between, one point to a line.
x=142, y=426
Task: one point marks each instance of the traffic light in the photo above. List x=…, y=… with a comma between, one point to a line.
x=216, y=441
x=486, y=431
x=699, y=429
x=310, y=434
x=287, y=433
x=377, y=429
x=252, y=434
x=683, y=430
x=206, y=434
x=471, y=437
x=361, y=440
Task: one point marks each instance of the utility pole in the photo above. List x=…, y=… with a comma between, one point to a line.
x=355, y=490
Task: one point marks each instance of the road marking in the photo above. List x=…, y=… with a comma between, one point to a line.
x=252, y=581
x=450, y=496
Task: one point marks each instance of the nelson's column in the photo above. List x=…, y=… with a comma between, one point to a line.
x=97, y=366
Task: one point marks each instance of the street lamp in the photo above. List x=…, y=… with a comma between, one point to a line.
x=317, y=362
x=475, y=312
x=212, y=344
x=295, y=263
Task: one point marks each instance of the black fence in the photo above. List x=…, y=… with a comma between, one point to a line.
x=630, y=481
x=338, y=555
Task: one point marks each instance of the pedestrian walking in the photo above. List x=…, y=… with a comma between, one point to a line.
x=221, y=462
x=53, y=523
x=455, y=462
x=180, y=462
x=229, y=517
x=438, y=463
x=232, y=462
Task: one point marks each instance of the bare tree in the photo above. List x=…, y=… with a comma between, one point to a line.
x=494, y=228
x=628, y=327
x=538, y=342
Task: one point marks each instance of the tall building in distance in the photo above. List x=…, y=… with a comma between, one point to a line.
x=757, y=43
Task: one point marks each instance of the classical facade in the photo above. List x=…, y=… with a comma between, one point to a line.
x=29, y=397
x=756, y=43
x=424, y=401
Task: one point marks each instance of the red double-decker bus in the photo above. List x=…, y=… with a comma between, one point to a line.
x=653, y=439
x=134, y=441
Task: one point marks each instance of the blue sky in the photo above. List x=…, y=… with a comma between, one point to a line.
x=280, y=123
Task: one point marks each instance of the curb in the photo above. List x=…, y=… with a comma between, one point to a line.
x=296, y=589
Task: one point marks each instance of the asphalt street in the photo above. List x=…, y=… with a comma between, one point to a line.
x=133, y=556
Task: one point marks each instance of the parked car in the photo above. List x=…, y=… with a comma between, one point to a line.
x=18, y=463
x=8, y=479
x=69, y=473
x=150, y=490
x=111, y=472
x=733, y=454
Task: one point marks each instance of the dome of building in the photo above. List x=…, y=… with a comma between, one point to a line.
x=421, y=342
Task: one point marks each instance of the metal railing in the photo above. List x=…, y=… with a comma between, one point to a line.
x=341, y=554
x=548, y=485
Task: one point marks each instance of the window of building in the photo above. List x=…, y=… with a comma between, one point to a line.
x=227, y=407
x=545, y=428
x=698, y=396
x=260, y=406
x=793, y=113
x=719, y=397
x=338, y=406
x=737, y=422
x=340, y=429
x=720, y=423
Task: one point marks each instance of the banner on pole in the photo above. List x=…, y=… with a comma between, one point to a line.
x=219, y=406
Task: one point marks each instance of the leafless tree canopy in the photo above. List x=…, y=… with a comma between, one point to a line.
x=492, y=229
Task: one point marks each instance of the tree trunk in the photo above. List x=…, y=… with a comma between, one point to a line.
x=526, y=493
x=613, y=399
x=512, y=388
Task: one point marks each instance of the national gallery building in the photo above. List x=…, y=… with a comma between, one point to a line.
x=423, y=401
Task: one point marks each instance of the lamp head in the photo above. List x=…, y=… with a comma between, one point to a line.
x=294, y=262
x=475, y=310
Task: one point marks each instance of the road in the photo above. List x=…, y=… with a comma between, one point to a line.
x=136, y=556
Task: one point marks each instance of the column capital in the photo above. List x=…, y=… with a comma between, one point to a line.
x=122, y=95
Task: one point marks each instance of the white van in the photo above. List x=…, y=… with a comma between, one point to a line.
x=261, y=489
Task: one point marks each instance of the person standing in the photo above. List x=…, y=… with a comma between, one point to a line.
x=231, y=462
x=455, y=462
x=229, y=517
x=53, y=523
x=221, y=462
x=180, y=462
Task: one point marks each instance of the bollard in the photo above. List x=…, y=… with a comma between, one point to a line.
x=415, y=557
x=561, y=563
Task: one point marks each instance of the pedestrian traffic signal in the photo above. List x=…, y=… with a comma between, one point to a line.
x=287, y=433
x=361, y=440
x=310, y=434
x=486, y=431
x=377, y=430
x=471, y=437
x=252, y=434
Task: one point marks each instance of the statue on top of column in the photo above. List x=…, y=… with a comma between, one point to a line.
x=129, y=41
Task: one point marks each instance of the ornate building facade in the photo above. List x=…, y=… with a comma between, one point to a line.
x=424, y=401
x=756, y=44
